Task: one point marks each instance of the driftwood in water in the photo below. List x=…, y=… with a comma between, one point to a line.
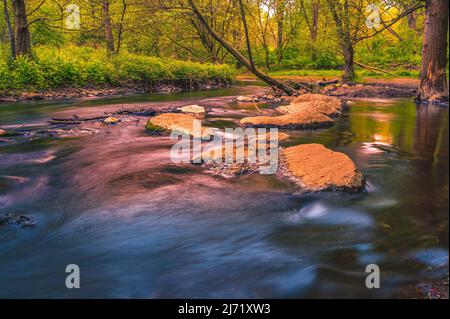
x=76, y=120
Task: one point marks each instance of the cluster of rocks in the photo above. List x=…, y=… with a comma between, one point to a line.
x=307, y=111
x=72, y=132
x=368, y=91
x=254, y=98
x=313, y=167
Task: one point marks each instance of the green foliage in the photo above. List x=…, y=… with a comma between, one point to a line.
x=82, y=66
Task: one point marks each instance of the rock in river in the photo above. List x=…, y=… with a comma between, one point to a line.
x=111, y=120
x=182, y=123
x=308, y=97
x=12, y=219
x=304, y=119
x=2, y=132
x=330, y=108
x=316, y=168
x=196, y=111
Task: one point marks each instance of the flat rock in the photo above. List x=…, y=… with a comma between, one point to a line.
x=330, y=108
x=304, y=119
x=182, y=123
x=314, y=97
x=316, y=168
x=220, y=152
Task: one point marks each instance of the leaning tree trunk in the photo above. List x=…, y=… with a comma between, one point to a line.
x=237, y=55
x=21, y=31
x=433, y=79
x=109, y=37
x=10, y=30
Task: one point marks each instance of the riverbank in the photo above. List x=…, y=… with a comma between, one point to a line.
x=329, y=83
x=73, y=72
x=371, y=88
x=114, y=90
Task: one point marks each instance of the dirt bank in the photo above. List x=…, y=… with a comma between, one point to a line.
x=104, y=91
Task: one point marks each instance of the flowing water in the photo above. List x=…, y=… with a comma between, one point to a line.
x=140, y=226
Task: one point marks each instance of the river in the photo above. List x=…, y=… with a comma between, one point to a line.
x=140, y=226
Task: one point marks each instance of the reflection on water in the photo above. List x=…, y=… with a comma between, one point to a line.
x=139, y=226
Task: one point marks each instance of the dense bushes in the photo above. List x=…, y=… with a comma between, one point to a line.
x=74, y=66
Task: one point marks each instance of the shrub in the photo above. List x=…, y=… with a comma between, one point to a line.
x=74, y=66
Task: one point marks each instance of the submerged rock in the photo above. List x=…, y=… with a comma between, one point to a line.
x=12, y=219
x=182, y=123
x=197, y=111
x=316, y=168
x=111, y=120
x=304, y=119
x=245, y=98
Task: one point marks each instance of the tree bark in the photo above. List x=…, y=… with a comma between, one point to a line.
x=314, y=19
x=412, y=21
x=280, y=29
x=238, y=56
x=109, y=37
x=342, y=20
x=120, y=31
x=349, y=71
x=433, y=79
x=21, y=31
x=12, y=41
x=247, y=37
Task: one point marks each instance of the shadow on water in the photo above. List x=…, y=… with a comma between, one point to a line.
x=141, y=226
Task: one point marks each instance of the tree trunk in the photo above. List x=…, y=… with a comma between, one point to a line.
x=109, y=37
x=120, y=31
x=433, y=79
x=349, y=71
x=247, y=37
x=412, y=21
x=237, y=55
x=280, y=30
x=314, y=19
x=10, y=30
x=21, y=31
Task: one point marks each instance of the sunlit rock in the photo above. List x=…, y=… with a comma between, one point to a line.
x=304, y=119
x=179, y=122
x=195, y=110
x=316, y=168
x=330, y=107
x=111, y=120
x=314, y=97
x=2, y=132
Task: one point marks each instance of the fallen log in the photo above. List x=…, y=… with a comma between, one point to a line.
x=325, y=83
